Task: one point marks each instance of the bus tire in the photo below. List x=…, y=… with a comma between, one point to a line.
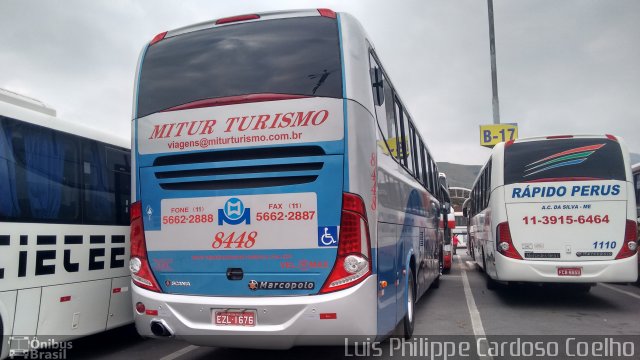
x=436, y=282
x=409, y=318
x=484, y=263
x=491, y=284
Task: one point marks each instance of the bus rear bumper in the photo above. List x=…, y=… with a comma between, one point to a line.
x=624, y=270
x=281, y=322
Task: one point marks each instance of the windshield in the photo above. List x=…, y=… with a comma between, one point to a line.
x=298, y=56
x=597, y=159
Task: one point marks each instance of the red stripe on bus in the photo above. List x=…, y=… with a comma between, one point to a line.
x=232, y=100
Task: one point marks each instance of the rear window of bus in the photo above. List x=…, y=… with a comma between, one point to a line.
x=598, y=159
x=296, y=56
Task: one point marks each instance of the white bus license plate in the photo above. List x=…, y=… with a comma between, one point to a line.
x=569, y=271
x=235, y=318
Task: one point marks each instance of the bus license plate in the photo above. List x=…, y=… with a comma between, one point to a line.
x=235, y=318
x=569, y=271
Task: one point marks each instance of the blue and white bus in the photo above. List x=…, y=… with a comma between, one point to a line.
x=280, y=187
x=64, y=227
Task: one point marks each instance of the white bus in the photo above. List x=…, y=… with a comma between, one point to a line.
x=635, y=169
x=282, y=187
x=458, y=196
x=64, y=239
x=556, y=209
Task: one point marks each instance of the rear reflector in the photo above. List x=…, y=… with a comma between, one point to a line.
x=158, y=38
x=65, y=298
x=117, y=290
x=327, y=13
x=239, y=18
x=328, y=316
x=151, y=312
x=140, y=308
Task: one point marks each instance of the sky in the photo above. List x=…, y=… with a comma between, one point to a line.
x=564, y=66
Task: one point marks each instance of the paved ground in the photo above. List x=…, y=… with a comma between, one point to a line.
x=462, y=310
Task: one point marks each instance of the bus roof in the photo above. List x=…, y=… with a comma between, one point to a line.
x=229, y=20
x=578, y=136
x=26, y=102
x=24, y=111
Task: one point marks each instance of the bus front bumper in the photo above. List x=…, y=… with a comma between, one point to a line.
x=623, y=270
x=281, y=322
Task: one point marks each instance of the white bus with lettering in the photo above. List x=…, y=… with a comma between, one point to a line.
x=64, y=234
x=281, y=187
x=559, y=209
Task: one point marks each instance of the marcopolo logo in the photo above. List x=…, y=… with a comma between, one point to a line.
x=281, y=285
x=234, y=213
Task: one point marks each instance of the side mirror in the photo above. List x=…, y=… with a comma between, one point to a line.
x=377, y=83
x=446, y=208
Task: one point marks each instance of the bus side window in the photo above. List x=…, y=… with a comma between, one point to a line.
x=414, y=150
x=46, y=175
x=9, y=205
x=425, y=168
x=383, y=101
x=106, y=184
x=407, y=142
x=119, y=165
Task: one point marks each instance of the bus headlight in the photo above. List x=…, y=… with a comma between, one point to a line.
x=135, y=265
x=354, y=264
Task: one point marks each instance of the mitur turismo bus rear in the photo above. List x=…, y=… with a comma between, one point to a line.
x=256, y=207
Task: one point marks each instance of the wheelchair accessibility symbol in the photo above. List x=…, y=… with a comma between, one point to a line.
x=327, y=236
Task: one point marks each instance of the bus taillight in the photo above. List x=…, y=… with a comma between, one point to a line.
x=138, y=264
x=630, y=245
x=505, y=245
x=353, y=262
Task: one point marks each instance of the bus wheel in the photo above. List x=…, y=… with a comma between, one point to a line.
x=409, y=318
x=436, y=282
x=491, y=284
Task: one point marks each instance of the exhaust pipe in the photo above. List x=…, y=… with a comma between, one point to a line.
x=160, y=329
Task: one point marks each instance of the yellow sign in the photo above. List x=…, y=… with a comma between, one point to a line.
x=490, y=135
x=395, y=147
